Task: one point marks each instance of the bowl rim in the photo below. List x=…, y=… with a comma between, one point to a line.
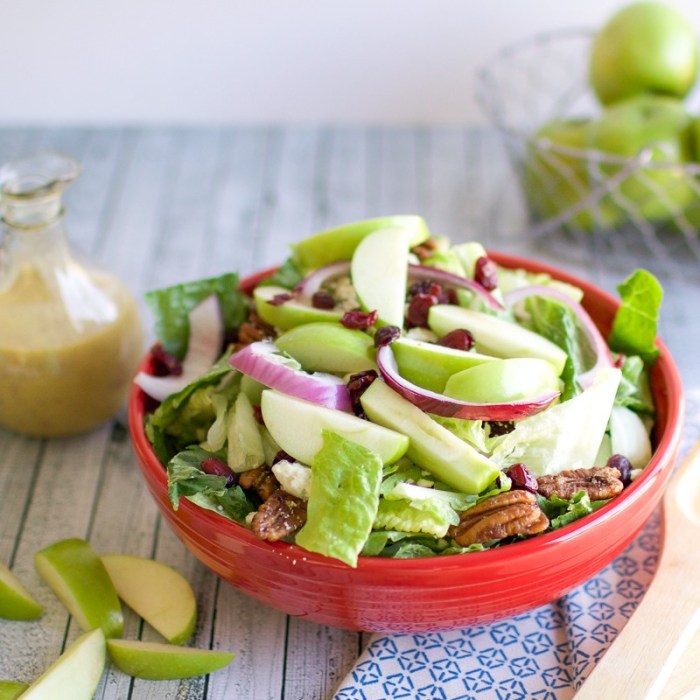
x=664, y=450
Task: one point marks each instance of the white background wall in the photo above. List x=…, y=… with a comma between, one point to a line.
x=264, y=61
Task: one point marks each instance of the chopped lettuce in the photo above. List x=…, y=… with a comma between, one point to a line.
x=171, y=306
x=343, y=500
x=186, y=479
x=562, y=511
x=474, y=432
x=287, y=275
x=634, y=326
x=634, y=391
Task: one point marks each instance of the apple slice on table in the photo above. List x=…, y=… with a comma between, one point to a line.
x=157, y=592
x=10, y=690
x=159, y=662
x=76, y=674
x=432, y=446
x=495, y=336
x=16, y=602
x=379, y=272
x=297, y=425
x=289, y=313
x=329, y=347
x=340, y=243
x=77, y=576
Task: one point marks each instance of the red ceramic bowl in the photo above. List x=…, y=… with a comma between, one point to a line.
x=434, y=593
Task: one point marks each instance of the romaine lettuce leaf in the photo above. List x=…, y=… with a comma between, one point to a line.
x=562, y=511
x=634, y=391
x=343, y=501
x=287, y=275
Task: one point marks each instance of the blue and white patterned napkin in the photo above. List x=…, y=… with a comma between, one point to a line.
x=544, y=654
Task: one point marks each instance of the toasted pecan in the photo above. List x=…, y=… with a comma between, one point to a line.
x=600, y=483
x=279, y=516
x=261, y=480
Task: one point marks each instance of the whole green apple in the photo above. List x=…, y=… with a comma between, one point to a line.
x=556, y=175
x=646, y=47
x=657, y=188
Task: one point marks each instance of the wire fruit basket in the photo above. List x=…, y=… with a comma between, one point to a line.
x=639, y=206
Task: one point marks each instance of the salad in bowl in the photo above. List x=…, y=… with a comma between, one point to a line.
x=385, y=393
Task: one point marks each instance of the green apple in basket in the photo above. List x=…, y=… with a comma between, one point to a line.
x=646, y=47
x=557, y=176
x=658, y=131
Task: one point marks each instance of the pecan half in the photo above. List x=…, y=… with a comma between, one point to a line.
x=261, y=480
x=599, y=483
x=503, y=515
x=252, y=330
x=279, y=516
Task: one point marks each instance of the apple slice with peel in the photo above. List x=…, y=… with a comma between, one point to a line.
x=76, y=674
x=432, y=446
x=157, y=592
x=16, y=602
x=291, y=312
x=159, y=662
x=10, y=690
x=495, y=336
x=77, y=576
x=379, y=271
x=297, y=425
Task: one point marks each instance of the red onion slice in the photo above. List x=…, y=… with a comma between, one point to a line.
x=261, y=361
x=441, y=405
x=596, y=340
x=311, y=284
x=203, y=349
x=425, y=272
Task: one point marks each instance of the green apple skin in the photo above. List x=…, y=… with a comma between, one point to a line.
x=329, y=347
x=291, y=313
x=495, y=336
x=379, y=271
x=16, y=602
x=502, y=381
x=646, y=47
x=77, y=576
x=662, y=125
x=340, y=243
x=296, y=426
x=157, y=592
x=76, y=674
x=160, y=662
x=10, y=690
x=430, y=365
x=431, y=447
x=554, y=181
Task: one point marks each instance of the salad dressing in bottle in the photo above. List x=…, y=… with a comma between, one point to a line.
x=71, y=336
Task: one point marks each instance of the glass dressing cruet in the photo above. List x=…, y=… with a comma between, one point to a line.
x=71, y=335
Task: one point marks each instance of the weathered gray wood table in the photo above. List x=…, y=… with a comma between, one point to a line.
x=160, y=206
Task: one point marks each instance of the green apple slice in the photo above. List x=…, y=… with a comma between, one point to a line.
x=291, y=313
x=379, y=271
x=76, y=674
x=160, y=662
x=77, y=576
x=430, y=365
x=502, y=381
x=157, y=592
x=16, y=602
x=329, y=347
x=340, y=243
x=297, y=426
x=495, y=336
x=10, y=690
x=431, y=447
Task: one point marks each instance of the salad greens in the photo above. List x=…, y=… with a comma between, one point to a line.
x=375, y=488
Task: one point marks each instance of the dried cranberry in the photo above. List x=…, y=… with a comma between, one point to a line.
x=485, y=273
x=282, y=456
x=280, y=299
x=359, y=319
x=322, y=299
x=357, y=385
x=257, y=412
x=165, y=362
x=217, y=467
x=386, y=335
x=521, y=478
x=459, y=339
x=418, y=308
x=622, y=464
x=425, y=287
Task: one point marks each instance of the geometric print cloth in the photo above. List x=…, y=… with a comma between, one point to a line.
x=543, y=654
